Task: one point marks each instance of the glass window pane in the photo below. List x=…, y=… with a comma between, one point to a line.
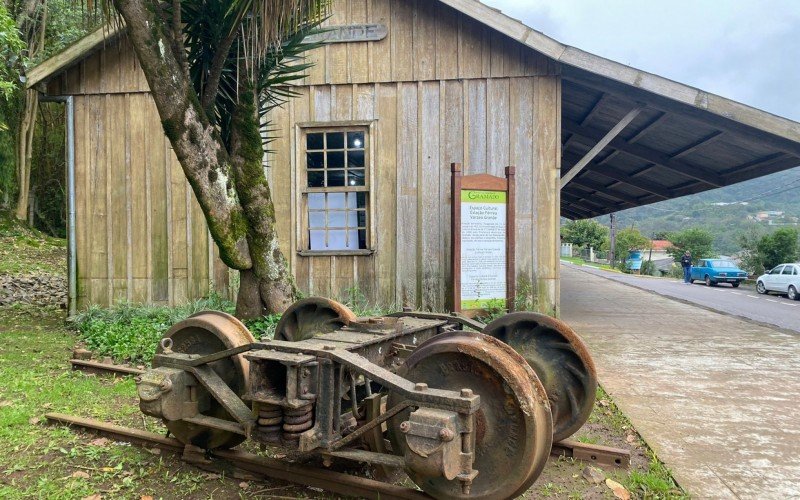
x=787, y=270
x=316, y=200
x=335, y=140
x=316, y=178
x=336, y=240
x=316, y=220
x=362, y=218
x=336, y=219
x=336, y=159
x=352, y=219
x=315, y=160
x=355, y=159
x=316, y=240
x=362, y=200
x=315, y=141
x=335, y=178
x=336, y=200
x=355, y=140
x=352, y=239
x=362, y=238
x=351, y=200
x=355, y=177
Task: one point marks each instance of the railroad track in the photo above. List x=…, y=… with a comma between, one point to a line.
x=334, y=482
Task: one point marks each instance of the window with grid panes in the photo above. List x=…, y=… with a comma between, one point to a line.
x=336, y=189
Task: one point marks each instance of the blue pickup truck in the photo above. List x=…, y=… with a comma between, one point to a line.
x=713, y=271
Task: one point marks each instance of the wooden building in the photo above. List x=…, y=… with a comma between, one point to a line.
x=361, y=169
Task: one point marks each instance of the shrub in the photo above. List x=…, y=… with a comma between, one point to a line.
x=128, y=332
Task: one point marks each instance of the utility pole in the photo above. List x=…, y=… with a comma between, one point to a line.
x=611, y=257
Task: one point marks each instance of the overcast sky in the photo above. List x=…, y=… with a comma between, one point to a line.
x=746, y=50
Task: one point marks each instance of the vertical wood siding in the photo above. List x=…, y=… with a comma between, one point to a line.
x=427, y=41
x=420, y=128
x=141, y=235
x=440, y=88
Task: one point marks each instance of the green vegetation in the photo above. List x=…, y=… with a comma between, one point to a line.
x=696, y=240
x=780, y=246
x=24, y=250
x=132, y=332
x=585, y=233
x=629, y=239
x=55, y=462
x=725, y=222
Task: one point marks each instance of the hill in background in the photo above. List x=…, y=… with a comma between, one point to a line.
x=726, y=212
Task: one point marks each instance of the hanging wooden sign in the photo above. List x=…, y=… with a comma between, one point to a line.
x=482, y=240
x=350, y=33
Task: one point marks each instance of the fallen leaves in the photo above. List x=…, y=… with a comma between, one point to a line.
x=618, y=490
x=99, y=442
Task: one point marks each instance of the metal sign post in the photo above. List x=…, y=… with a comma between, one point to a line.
x=483, y=240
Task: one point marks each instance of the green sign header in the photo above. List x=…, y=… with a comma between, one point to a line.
x=475, y=196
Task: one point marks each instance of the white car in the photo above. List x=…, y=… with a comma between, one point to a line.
x=784, y=278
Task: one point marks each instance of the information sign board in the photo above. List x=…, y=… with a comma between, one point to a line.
x=482, y=240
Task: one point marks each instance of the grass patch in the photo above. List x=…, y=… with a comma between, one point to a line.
x=654, y=481
x=24, y=250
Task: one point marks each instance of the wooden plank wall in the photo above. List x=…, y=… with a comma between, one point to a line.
x=427, y=40
x=141, y=236
x=420, y=128
x=441, y=88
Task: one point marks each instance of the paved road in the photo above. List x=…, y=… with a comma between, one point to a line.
x=715, y=396
x=745, y=302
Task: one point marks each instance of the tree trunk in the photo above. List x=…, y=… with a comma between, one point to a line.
x=27, y=125
x=270, y=272
x=196, y=142
x=230, y=185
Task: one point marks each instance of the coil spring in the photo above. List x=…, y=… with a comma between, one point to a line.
x=296, y=421
x=270, y=418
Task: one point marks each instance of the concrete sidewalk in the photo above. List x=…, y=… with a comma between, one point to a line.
x=717, y=398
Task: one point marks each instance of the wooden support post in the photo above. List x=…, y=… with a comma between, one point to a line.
x=511, y=285
x=455, y=242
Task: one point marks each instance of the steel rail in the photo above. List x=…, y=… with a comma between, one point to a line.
x=335, y=482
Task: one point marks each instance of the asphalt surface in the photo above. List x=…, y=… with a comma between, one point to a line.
x=743, y=302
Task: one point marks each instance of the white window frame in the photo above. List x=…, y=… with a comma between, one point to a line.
x=302, y=191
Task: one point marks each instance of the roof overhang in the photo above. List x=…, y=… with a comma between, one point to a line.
x=683, y=141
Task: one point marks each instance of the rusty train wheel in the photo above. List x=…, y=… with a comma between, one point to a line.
x=560, y=359
x=513, y=425
x=312, y=316
x=208, y=332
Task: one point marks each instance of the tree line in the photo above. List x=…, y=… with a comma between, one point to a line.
x=760, y=250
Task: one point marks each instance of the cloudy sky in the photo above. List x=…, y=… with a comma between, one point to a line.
x=747, y=50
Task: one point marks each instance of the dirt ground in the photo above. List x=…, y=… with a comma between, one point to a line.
x=56, y=462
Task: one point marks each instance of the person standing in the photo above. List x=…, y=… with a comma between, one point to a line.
x=686, y=263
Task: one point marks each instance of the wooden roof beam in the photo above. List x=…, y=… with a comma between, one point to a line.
x=592, y=112
x=703, y=141
x=765, y=167
x=571, y=214
x=579, y=200
x=621, y=176
x=602, y=141
x=605, y=191
x=647, y=154
x=582, y=214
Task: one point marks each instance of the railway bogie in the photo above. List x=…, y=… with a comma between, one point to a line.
x=466, y=416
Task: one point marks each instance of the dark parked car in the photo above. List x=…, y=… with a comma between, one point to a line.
x=713, y=271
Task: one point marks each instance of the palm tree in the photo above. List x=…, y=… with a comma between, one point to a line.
x=215, y=68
